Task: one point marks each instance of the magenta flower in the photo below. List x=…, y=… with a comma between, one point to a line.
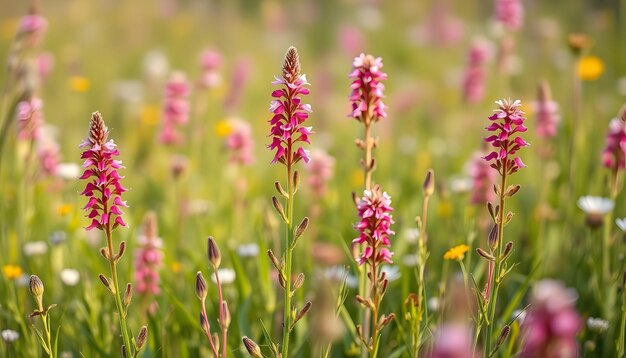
x=476, y=73
x=290, y=113
x=507, y=121
x=32, y=27
x=547, y=110
x=104, y=190
x=375, y=226
x=367, y=89
x=510, y=13
x=240, y=142
x=49, y=156
x=453, y=341
x=30, y=119
x=550, y=326
x=483, y=179
x=175, y=108
x=148, y=258
x=321, y=170
x=210, y=61
x=614, y=153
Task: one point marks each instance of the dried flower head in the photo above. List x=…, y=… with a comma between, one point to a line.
x=367, y=89
x=104, y=190
x=507, y=121
x=290, y=113
x=375, y=226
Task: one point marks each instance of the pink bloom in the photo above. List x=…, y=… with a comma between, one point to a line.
x=241, y=73
x=290, y=113
x=49, y=156
x=175, y=108
x=32, y=28
x=510, y=13
x=321, y=170
x=547, y=110
x=351, y=40
x=210, y=61
x=476, y=72
x=240, y=142
x=30, y=119
x=104, y=191
x=507, y=121
x=367, y=88
x=483, y=179
x=452, y=341
x=550, y=327
x=614, y=153
x=375, y=226
x=441, y=27
x=45, y=63
x=148, y=259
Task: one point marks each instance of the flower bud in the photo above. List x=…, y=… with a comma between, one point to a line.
x=299, y=281
x=303, y=311
x=106, y=283
x=35, y=286
x=128, y=294
x=429, y=183
x=201, y=288
x=280, y=190
x=226, y=312
x=213, y=252
x=301, y=228
x=274, y=260
x=493, y=237
x=252, y=348
x=204, y=323
x=279, y=208
x=142, y=337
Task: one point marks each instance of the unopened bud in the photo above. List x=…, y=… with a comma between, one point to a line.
x=303, y=311
x=106, y=283
x=280, y=190
x=493, y=237
x=503, y=335
x=128, y=294
x=213, y=253
x=35, y=286
x=142, y=337
x=298, y=282
x=484, y=254
x=429, y=183
x=121, y=250
x=366, y=303
x=507, y=249
x=104, y=252
x=274, y=260
x=279, y=208
x=296, y=180
x=386, y=320
x=226, y=313
x=204, y=323
x=201, y=288
x=512, y=190
x=252, y=348
x=301, y=228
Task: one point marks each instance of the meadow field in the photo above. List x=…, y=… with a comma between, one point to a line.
x=312, y=178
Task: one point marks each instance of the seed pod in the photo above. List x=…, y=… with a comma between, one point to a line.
x=494, y=236
x=503, y=335
x=104, y=252
x=386, y=320
x=296, y=181
x=213, y=253
x=201, y=287
x=484, y=254
x=507, y=249
x=121, y=250
x=302, y=312
x=512, y=190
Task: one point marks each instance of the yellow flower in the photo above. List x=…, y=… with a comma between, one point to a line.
x=12, y=271
x=590, y=68
x=357, y=178
x=149, y=115
x=445, y=209
x=64, y=209
x=175, y=267
x=223, y=128
x=79, y=84
x=456, y=253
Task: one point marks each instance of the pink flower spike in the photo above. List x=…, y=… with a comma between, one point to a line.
x=375, y=209
x=508, y=119
x=367, y=89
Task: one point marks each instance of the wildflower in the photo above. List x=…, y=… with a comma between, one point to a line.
x=578, y=43
x=68, y=171
x=149, y=257
x=456, y=253
x=375, y=212
x=34, y=248
x=507, y=120
x=239, y=142
x=367, y=88
x=30, y=119
x=510, y=13
x=476, y=72
x=241, y=73
x=248, y=250
x=252, y=348
x=226, y=275
x=223, y=128
x=552, y=323
x=614, y=153
x=596, y=208
x=49, y=154
x=9, y=335
x=104, y=190
x=452, y=340
x=290, y=113
x=597, y=325
x=210, y=61
x=483, y=179
x=58, y=237
x=64, y=209
x=70, y=277
x=412, y=235
x=175, y=108
x=12, y=272
x=547, y=111
x=31, y=28
x=621, y=223
x=320, y=170
x=79, y=83
x=590, y=68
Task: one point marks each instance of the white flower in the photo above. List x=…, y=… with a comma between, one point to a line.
x=392, y=273
x=226, y=275
x=35, y=248
x=339, y=273
x=70, y=277
x=461, y=185
x=621, y=223
x=68, y=171
x=248, y=250
x=58, y=237
x=9, y=335
x=411, y=235
x=595, y=205
x=597, y=325
x=433, y=304
x=411, y=260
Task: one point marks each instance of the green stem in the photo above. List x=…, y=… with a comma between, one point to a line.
x=116, y=288
x=622, y=331
x=288, y=254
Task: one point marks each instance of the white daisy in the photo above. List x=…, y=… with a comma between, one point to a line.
x=35, y=248
x=595, y=205
x=597, y=325
x=227, y=276
x=248, y=250
x=70, y=277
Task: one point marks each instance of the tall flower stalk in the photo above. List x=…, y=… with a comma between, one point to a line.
x=288, y=132
x=36, y=288
x=507, y=122
x=104, y=192
x=367, y=108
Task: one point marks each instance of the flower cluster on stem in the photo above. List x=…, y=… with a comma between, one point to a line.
x=148, y=258
x=476, y=72
x=547, y=110
x=175, y=109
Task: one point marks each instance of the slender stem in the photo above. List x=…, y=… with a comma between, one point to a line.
x=363, y=289
x=208, y=334
x=116, y=288
x=222, y=313
x=288, y=253
x=368, y=155
x=375, y=304
x=622, y=331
